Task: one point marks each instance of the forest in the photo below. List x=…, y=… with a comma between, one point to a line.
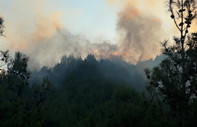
x=92, y=92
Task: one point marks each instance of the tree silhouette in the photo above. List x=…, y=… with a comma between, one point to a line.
x=3, y=54
x=176, y=77
x=1, y=26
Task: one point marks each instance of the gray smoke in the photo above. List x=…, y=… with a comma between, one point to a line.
x=64, y=43
x=140, y=34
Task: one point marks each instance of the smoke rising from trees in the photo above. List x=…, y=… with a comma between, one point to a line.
x=140, y=34
x=41, y=35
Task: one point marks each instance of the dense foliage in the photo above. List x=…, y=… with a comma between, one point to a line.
x=114, y=71
x=83, y=98
x=20, y=104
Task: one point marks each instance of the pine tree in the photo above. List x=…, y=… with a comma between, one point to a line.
x=176, y=76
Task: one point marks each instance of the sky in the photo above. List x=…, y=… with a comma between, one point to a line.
x=46, y=30
x=93, y=18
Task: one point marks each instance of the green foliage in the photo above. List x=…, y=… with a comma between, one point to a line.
x=175, y=78
x=82, y=101
x=126, y=108
x=117, y=72
x=19, y=105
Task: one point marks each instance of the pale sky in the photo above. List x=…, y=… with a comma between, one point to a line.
x=90, y=17
x=93, y=18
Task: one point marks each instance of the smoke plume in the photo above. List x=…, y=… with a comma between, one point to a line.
x=140, y=33
x=40, y=34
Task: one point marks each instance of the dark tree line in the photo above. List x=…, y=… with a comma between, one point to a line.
x=114, y=71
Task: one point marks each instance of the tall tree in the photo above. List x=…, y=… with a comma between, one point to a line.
x=3, y=54
x=176, y=77
x=1, y=26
